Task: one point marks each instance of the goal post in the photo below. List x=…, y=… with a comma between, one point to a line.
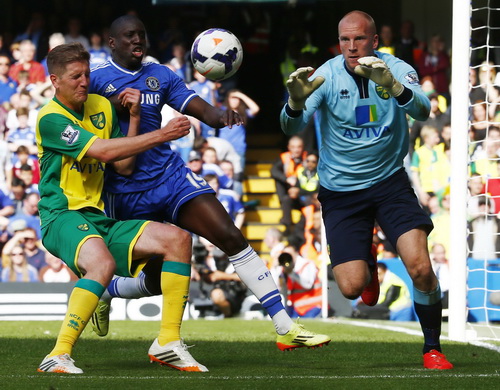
x=459, y=171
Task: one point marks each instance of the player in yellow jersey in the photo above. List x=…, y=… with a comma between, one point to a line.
x=77, y=135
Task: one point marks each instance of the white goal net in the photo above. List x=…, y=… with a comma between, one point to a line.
x=474, y=311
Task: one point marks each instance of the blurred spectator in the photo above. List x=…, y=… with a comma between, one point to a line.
x=436, y=119
x=229, y=200
x=435, y=62
x=55, y=39
x=17, y=193
x=233, y=184
x=284, y=173
x=205, y=89
x=479, y=121
x=236, y=135
x=485, y=160
x=29, y=212
x=26, y=174
x=42, y=94
x=8, y=86
x=21, y=99
x=273, y=239
x=16, y=267
x=307, y=179
x=303, y=286
x=408, y=48
x=441, y=220
x=484, y=233
x=24, y=134
x=180, y=64
x=27, y=238
x=442, y=270
x=227, y=292
x=386, y=40
x=476, y=191
x=430, y=167
x=56, y=271
x=35, y=32
x=98, y=52
x=394, y=301
x=311, y=249
x=429, y=89
x=224, y=149
x=36, y=72
x=74, y=32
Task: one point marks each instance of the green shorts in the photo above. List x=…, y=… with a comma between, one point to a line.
x=68, y=232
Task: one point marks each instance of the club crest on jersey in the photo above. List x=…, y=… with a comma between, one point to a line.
x=98, y=120
x=83, y=227
x=382, y=92
x=152, y=83
x=70, y=135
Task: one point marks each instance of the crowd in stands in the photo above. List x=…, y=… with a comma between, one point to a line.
x=218, y=155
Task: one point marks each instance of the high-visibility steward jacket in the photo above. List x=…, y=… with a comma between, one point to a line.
x=304, y=286
x=289, y=166
x=306, y=183
x=404, y=300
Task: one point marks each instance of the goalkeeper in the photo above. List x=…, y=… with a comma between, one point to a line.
x=363, y=97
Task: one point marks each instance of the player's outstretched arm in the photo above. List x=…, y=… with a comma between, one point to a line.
x=212, y=116
x=377, y=70
x=111, y=150
x=300, y=88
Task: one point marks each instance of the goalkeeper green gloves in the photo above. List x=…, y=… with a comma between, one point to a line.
x=376, y=70
x=300, y=88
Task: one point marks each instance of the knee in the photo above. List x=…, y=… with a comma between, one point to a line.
x=421, y=273
x=351, y=291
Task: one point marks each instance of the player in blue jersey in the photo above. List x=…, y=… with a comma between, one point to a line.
x=363, y=97
x=164, y=189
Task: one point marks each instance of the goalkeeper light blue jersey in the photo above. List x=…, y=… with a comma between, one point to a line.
x=158, y=86
x=364, y=131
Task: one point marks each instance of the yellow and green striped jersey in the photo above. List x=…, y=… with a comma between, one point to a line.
x=69, y=179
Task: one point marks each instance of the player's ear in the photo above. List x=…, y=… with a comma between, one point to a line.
x=54, y=80
x=375, y=41
x=111, y=42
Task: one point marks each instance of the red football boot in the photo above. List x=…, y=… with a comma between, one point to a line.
x=372, y=290
x=435, y=360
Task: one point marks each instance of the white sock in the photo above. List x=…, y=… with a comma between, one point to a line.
x=130, y=288
x=253, y=272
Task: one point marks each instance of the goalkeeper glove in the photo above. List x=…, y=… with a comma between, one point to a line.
x=376, y=70
x=299, y=87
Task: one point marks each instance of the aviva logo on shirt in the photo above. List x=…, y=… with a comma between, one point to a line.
x=366, y=114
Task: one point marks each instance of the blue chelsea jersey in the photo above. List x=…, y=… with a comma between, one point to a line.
x=364, y=131
x=158, y=86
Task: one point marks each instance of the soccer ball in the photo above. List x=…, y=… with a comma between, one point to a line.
x=217, y=54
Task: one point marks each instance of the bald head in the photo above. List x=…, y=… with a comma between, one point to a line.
x=356, y=17
x=120, y=23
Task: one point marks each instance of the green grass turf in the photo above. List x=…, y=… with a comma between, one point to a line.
x=242, y=355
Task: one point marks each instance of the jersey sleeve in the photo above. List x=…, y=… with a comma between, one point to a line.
x=60, y=134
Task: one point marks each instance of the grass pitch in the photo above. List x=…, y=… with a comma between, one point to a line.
x=242, y=355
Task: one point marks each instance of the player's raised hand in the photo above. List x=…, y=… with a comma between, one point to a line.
x=377, y=70
x=299, y=87
x=230, y=118
x=177, y=127
x=130, y=98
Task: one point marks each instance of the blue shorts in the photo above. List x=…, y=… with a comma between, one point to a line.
x=161, y=203
x=350, y=216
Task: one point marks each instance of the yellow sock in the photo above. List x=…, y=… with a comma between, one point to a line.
x=175, y=278
x=82, y=303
